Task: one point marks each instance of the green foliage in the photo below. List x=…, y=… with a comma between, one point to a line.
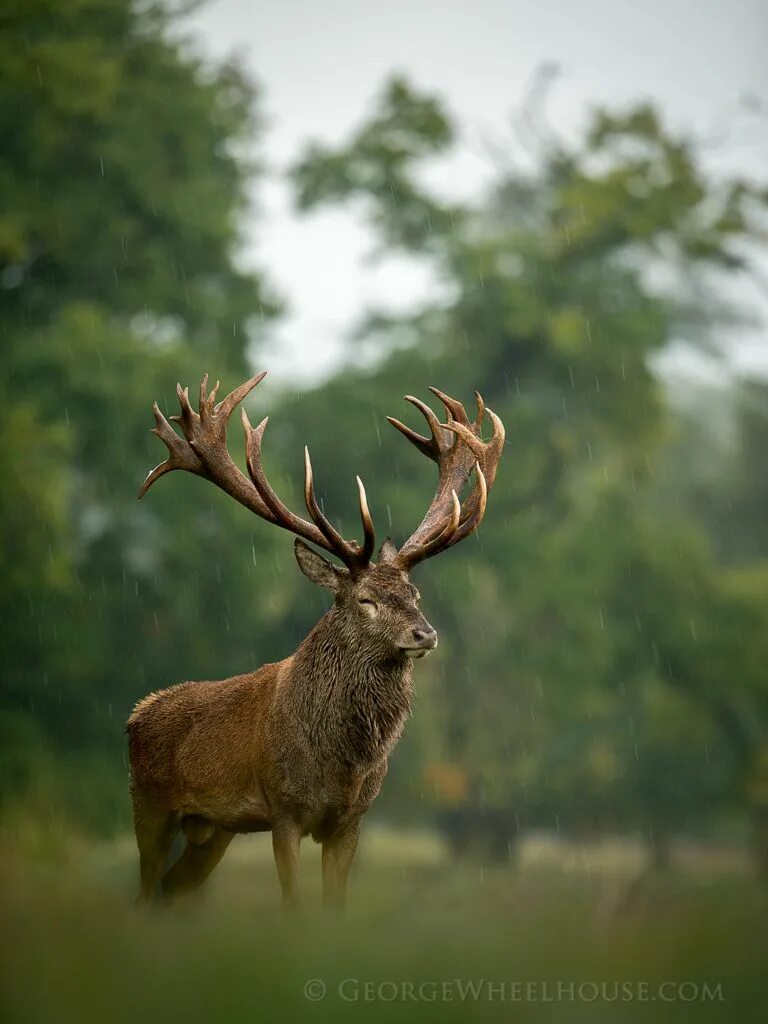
x=602, y=637
x=715, y=467
x=105, y=113
x=584, y=681
x=378, y=164
x=123, y=184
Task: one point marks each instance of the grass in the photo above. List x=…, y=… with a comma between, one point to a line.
x=460, y=935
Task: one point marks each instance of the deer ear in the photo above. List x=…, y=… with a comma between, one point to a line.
x=387, y=551
x=316, y=568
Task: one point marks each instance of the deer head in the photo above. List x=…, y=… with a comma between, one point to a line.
x=375, y=600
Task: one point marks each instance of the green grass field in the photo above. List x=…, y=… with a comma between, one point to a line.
x=559, y=936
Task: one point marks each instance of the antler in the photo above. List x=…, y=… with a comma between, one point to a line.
x=457, y=448
x=203, y=451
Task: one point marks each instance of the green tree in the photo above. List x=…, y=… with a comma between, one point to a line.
x=553, y=310
x=122, y=187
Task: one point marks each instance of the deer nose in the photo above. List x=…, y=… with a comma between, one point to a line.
x=425, y=637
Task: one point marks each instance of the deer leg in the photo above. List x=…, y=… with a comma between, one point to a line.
x=196, y=863
x=338, y=854
x=286, y=840
x=155, y=831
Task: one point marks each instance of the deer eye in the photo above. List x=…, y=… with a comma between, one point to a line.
x=368, y=606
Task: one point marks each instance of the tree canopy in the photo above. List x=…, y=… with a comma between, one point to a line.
x=601, y=690
x=123, y=180
x=602, y=637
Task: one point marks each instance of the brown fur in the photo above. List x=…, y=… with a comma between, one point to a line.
x=298, y=747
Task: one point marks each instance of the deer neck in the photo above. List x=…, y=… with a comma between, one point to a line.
x=350, y=698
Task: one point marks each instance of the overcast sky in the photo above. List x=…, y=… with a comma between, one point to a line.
x=321, y=65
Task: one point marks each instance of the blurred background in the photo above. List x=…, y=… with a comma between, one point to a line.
x=563, y=207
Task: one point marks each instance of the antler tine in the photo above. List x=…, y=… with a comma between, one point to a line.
x=203, y=451
x=181, y=455
x=202, y=404
x=203, y=448
x=351, y=553
x=453, y=406
x=476, y=504
x=187, y=416
x=313, y=507
x=281, y=514
x=455, y=446
x=207, y=403
x=369, y=534
x=442, y=538
x=227, y=405
x=320, y=532
x=429, y=416
x=487, y=451
x=429, y=446
x=480, y=408
x=424, y=444
x=458, y=449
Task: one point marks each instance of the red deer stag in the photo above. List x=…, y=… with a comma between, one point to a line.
x=299, y=747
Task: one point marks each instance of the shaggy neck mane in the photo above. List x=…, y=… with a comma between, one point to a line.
x=358, y=699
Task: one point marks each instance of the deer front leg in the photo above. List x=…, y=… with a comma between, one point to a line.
x=286, y=840
x=338, y=854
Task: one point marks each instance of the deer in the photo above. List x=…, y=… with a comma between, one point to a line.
x=298, y=747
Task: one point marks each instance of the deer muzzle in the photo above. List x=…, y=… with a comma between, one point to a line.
x=423, y=640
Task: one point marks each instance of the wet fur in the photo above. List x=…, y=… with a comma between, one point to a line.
x=299, y=746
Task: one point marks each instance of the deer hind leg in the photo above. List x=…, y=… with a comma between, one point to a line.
x=338, y=854
x=206, y=845
x=155, y=830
